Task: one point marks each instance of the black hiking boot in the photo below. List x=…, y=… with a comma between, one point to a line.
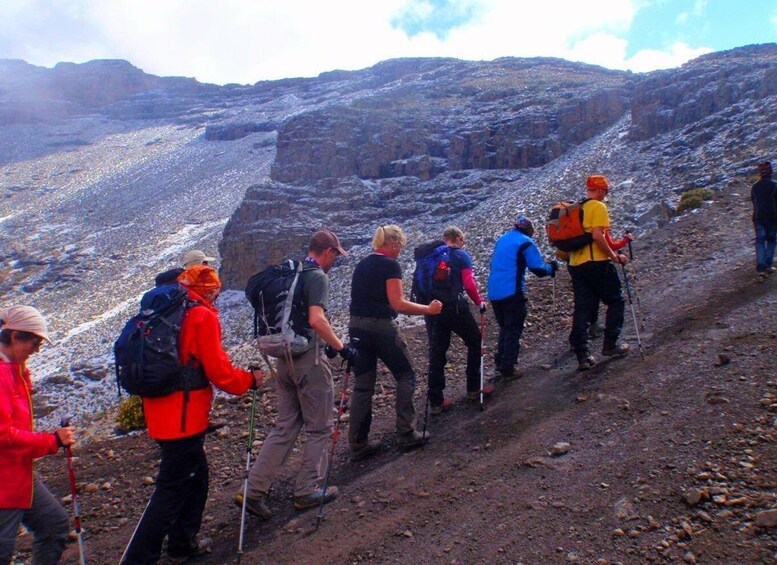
x=411, y=440
x=366, y=450
x=615, y=349
x=185, y=555
x=508, y=374
x=437, y=409
x=585, y=361
x=314, y=499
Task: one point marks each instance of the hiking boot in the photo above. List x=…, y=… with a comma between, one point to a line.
x=314, y=499
x=509, y=374
x=488, y=390
x=615, y=349
x=595, y=330
x=363, y=451
x=585, y=361
x=411, y=440
x=202, y=549
x=255, y=506
x=446, y=405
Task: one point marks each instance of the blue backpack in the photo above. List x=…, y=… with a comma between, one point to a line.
x=432, y=276
x=147, y=350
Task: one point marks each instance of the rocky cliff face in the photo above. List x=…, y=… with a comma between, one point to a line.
x=426, y=122
x=669, y=100
x=408, y=151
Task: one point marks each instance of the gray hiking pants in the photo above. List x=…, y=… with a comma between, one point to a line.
x=46, y=519
x=379, y=338
x=305, y=397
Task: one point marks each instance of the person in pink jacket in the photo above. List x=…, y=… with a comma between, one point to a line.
x=24, y=499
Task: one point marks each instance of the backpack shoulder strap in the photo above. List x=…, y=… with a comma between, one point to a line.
x=290, y=296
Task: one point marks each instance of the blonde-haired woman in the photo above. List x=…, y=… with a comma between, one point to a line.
x=377, y=297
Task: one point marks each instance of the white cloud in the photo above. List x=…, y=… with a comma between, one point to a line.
x=602, y=49
x=250, y=40
x=651, y=59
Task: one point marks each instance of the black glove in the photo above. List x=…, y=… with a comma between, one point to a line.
x=330, y=352
x=349, y=353
x=553, y=267
x=482, y=307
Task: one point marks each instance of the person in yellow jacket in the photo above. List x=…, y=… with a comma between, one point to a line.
x=595, y=277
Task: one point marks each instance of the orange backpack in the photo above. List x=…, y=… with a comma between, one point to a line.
x=565, y=226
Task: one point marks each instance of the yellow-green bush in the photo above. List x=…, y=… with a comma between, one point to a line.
x=694, y=198
x=131, y=415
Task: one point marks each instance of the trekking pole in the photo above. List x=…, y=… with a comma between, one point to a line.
x=633, y=313
x=426, y=408
x=636, y=293
x=248, y=470
x=65, y=423
x=553, y=282
x=482, y=355
x=335, y=436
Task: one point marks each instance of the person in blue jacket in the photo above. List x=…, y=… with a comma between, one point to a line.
x=514, y=252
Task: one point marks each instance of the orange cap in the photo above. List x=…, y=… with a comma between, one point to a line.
x=597, y=181
x=200, y=279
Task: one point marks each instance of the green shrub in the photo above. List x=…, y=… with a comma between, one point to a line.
x=694, y=198
x=131, y=415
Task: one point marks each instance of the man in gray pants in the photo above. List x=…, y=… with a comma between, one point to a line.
x=305, y=393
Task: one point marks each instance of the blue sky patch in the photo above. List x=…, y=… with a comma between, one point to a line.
x=719, y=24
x=437, y=17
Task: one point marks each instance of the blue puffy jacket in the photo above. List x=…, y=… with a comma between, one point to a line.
x=514, y=252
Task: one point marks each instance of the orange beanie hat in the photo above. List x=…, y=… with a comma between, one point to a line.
x=200, y=279
x=597, y=181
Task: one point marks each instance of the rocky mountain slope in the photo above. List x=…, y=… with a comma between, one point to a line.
x=107, y=174
x=666, y=460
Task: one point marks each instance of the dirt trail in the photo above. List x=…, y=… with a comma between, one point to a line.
x=696, y=416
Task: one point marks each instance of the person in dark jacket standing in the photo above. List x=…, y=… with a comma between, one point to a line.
x=764, y=197
x=514, y=252
x=178, y=422
x=455, y=318
x=24, y=498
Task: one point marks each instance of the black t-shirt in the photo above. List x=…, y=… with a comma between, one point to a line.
x=368, y=287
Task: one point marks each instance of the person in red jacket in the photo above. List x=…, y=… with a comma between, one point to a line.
x=24, y=499
x=179, y=424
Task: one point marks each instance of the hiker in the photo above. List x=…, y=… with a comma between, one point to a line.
x=178, y=422
x=305, y=392
x=595, y=329
x=455, y=317
x=24, y=499
x=514, y=252
x=595, y=278
x=190, y=259
x=764, y=197
x=196, y=257
x=377, y=297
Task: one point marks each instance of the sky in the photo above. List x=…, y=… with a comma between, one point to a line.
x=246, y=41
